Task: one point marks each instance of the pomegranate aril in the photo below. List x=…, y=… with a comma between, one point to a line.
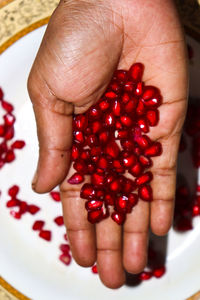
x=127, y=145
x=95, y=151
x=23, y=207
x=80, y=122
x=145, y=161
x=102, y=163
x=136, y=72
x=131, y=105
x=145, y=275
x=75, y=153
x=109, y=199
x=65, y=248
x=13, y=191
x=80, y=166
x=112, y=149
x=111, y=95
x=76, y=178
x=99, y=193
x=94, y=113
x=109, y=120
x=120, y=76
x=140, y=109
x=38, y=225
x=65, y=258
x=7, y=106
x=97, y=179
x=153, y=150
x=115, y=86
x=144, y=178
x=2, y=130
x=152, y=117
x=126, y=121
x=143, y=141
x=13, y=203
x=121, y=204
x=79, y=137
x=15, y=214
x=55, y=196
x=138, y=89
x=118, y=125
x=115, y=186
x=159, y=272
x=94, y=269
x=90, y=168
x=92, y=140
x=18, y=144
x=136, y=170
x=59, y=220
x=10, y=156
x=150, y=92
x=9, y=119
x=118, y=217
x=85, y=155
x=142, y=123
x=128, y=159
x=145, y=193
x=133, y=199
x=96, y=126
x=45, y=234
x=116, y=108
x=129, y=86
x=104, y=105
x=93, y=204
x=195, y=210
x=104, y=136
x=128, y=186
x=95, y=216
x=33, y=209
x=1, y=94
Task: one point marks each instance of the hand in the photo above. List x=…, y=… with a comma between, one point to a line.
x=86, y=40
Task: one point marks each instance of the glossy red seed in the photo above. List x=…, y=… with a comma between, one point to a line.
x=9, y=119
x=109, y=120
x=120, y=76
x=85, y=155
x=139, y=89
x=125, y=98
x=94, y=113
x=7, y=106
x=145, y=275
x=118, y=125
x=136, y=72
x=126, y=121
x=118, y=217
x=45, y=234
x=38, y=225
x=117, y=164
x=13, y=190
x=116, y=108
x=97, y=179
x=2, y=130
x=121, y=134
x=59, y=220
x=154, y=102
x=99, y=193
x=23, y=207
x=133, y=199
x=142, y=123
x=33, y=209
x=95, y=216
x=15, y=214
x=153, y=150
x=76, y=178
x=80, y=166
x=10, y=156
x=65, y=258
x=104, y=136
x=128, y=159
x=159, y=272
x=111, y=95
x=55, y=196
x=87, y=191
x=115, y=186
x=95, y=151
x=145, y=161
x=136, y=170
x=92, y=140
x=75, y=153
x=90, y=168
x=93, y=204
x=121, y=204
x=195, y=210
x=109, y=199
x=143, y=141
x=152, y=117
x=18, y=144
x=145, y=193
x=112, y=149
x=127, y=145
x=115, y=86
x=94, y=269
x=13, y=203
x=129, y=86
x=65, y=237
x=79, y=137
x=96, y=126
x=9, y=134
x=128, y=186
x=140, y=109
x=1, y=94
x=131, y=105
x=65, y=248
x=104, y=105
x=102, y=163
x=80, y=122
x=149, y=92
x=144, y=178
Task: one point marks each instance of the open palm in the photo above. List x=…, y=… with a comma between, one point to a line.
x=84, y=43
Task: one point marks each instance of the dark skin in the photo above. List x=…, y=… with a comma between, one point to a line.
x=84, y=43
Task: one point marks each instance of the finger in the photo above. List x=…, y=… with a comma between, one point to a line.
x=109, y=253
x=54, y=128
x=80, y=232
x=136, y=238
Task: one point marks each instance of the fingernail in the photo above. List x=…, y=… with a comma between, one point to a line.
x=34, y=181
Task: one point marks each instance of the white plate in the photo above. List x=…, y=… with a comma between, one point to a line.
x=30, y=264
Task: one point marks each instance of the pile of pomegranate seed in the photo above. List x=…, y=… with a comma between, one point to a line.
x=8, y=147
x=110, y=144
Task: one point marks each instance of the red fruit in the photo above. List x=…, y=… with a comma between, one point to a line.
x=117, y=164
x=150, y=92
x=80, y=166
x=65, y=258
x=87, y=191
x=142, y=123
x=13, y=203
x=126, y=121
x=104, y=105
x=125, y=98
x=140, y=109
x=1, y=94
x=118, y=217
x=99, y=193
x=90, y=168
x=13, y=191
x=136, y=72
x=97, y=179
x=85, y=154
x=9, y=119
x=76, y=178
x=65, y=248
x=115, y=186
x=129, y=86
x=33, y=209
x=104, y=137
x=159, y=272
x=116, y=108
x=15, y=214
x=145, y=161
x=143, y=141
x=122, y=204
x=121, y=134
x=18, y=144
x=145, y=275
x=120, y=76
x=23, y=207
x=128, y=159
x=118, y=125
x=102, y=163
x=136, y=170
x=7, y=106
x=96, y=126
x=153, y=150
x=132, y=199
x=2, y=130
x=94, y=113
x=93, y=204
x=80, y=122
x=9, y=134
x=112, y=149
x=92, y=140
x=152, y=117
x=111, y=95
x=127, y=145
x=195, y=210
x=109, y=199
x=145, y=193
x=94, y=269
x=65, y=237
x=10, y=156
x=79, y=137
x=45, y=234
x=95, y=151
x=38, y=225
x=59, y=220
x=75, y=153
x=95, y=216
x=131, y=105
x=144, y=178
x=55, y=196
x=115, y=86
x=139, y=89
x=128, y=186
x=109, y=119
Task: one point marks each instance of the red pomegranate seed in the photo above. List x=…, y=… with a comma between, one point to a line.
x=38, y=225
x=33, y=209
x=109, y=199
x=126, y=121
x=141, y=109
x=9, y=119
x=103, y=137
x=152, y=117
x=104, y=105
x=95, y=151
x=102, y=163
x=144, y=178
x=115, y=86
x=143, y=141
x=65, y=237
x=79, y=137
x=128, y=186
x=195, y=210
x=129, y=86
x=10, y=156
x=76, y=178
x=93, y=204
x=65, y=258
x=198, y=188
x=80, y=166
x=94, y=269
x=133, y=199
x=2, y=130
x=145, y=193
x=85, y=154
x=15, y=214
x=99, y=194
x=23, y=207
x=87, y=191
x=128, y=159
x=109, y=119
x=150, y=92
x=120, y=76
x=139, y=89
x=136, y=170
x=18, y=144
x=142, y=123
x=122, y=204
x=97, y=179
x=154, y=150
x=136, y=72
x=13, y=203
x=159, y=272
x=115, y=186
x=154, y=102
x=145, y=275
x=59, y=220
x=13, y=191
x=111, y=95
x=125, y=98
x=7, y=106
x=118, y=217
x=80, y=122
x=116, y=107
x=94, y=113
x=95, y=216
x=112, y=149
x=55, y=196
x=145, y=161
x=127, y=145
x=92, y=140
x=45, y=234
x=96, y=126
x=75, y=152
x=1, y=94
x=65, y=248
